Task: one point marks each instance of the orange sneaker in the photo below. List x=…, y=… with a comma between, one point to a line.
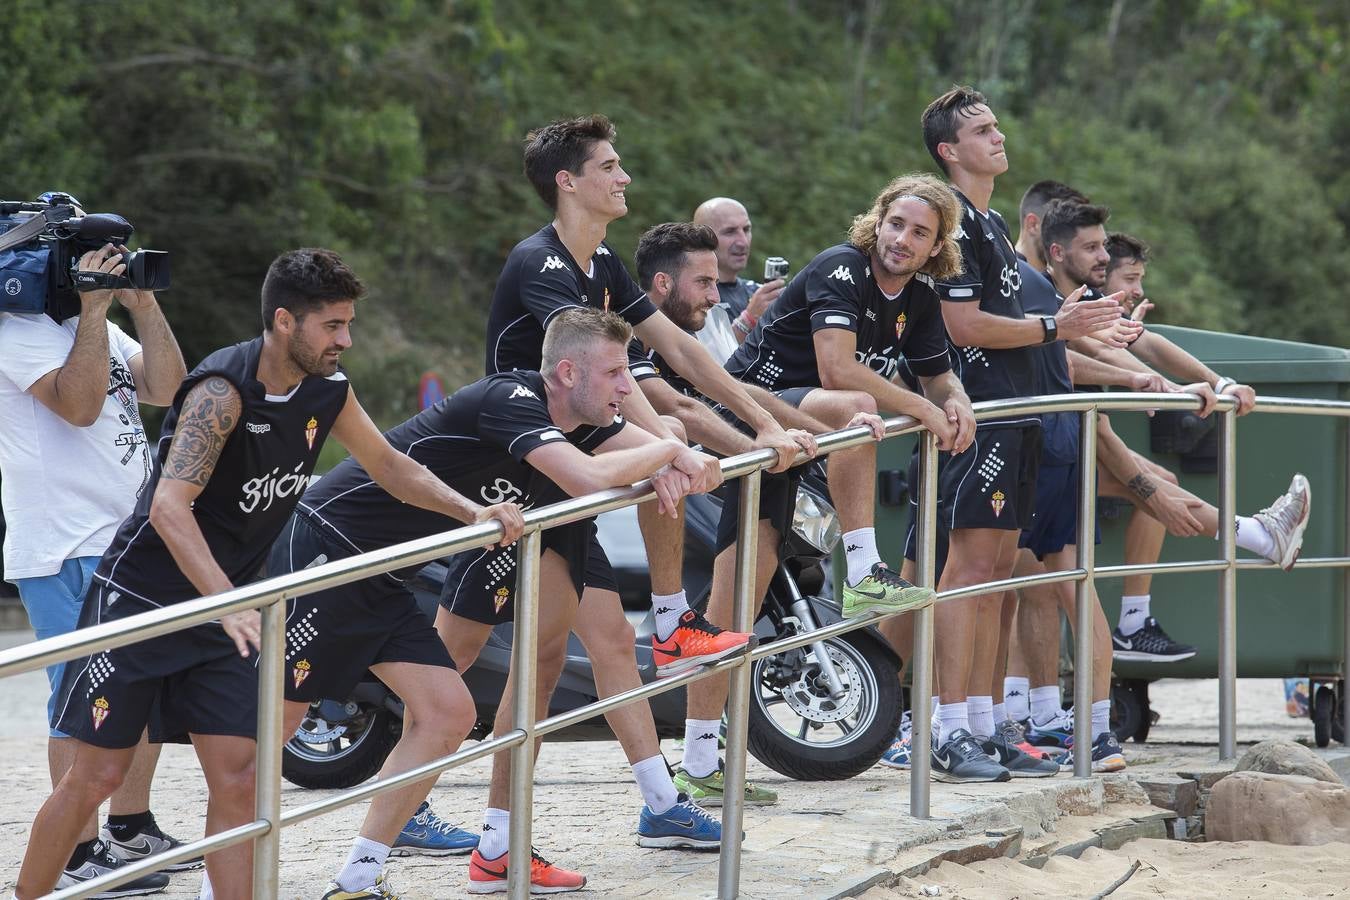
x=694, y=642
x=488, y=876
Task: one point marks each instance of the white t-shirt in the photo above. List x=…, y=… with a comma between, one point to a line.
x=64, y=489
x=716, y=335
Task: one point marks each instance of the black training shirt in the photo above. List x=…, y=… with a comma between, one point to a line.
x=475, y=440
x=991, y=279
x=262, y=471
x=837, y=290
x=539, y=280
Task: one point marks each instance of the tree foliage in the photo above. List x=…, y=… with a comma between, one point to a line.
x=1217, y=130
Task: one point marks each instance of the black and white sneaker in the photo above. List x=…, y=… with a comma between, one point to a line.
x=1149, y=644
x=962, y=761
x=147, y=842
x=101, y=861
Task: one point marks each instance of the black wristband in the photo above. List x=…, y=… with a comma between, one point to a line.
x=1051, y=328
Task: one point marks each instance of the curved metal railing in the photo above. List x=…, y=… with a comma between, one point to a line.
x=269, y=595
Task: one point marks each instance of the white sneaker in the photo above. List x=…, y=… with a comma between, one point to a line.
x=1286, y=519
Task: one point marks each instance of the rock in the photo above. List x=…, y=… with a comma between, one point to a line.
x=1122, y=789
x=1285, y=758
x=1282, y=809
x=1180, y=795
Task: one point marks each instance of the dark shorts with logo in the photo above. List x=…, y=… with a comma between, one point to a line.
x=334, y=636
x=480, y=585
x=993, y=483
x=188, y=682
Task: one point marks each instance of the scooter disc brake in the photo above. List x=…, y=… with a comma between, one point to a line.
x=319, y=731
x=809, y=697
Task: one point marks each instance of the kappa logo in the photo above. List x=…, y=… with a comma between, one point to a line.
x=258, y=428
x=100, y=711
x=300, y=672
x=997, y=501
x=499, y=599
x=707, y=736
x=842, y=273
x=602, y=250
x=522, y=391
x=554, y=262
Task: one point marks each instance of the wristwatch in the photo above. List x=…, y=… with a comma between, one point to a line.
x=1223, y=384
x=1051, y=329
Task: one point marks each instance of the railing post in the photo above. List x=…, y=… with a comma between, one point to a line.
x=738, y=696
x=1345, y=598
x=1228, y=583
x=267, y=770
x=1084, y=594
x=921, y=666
x=524, y=658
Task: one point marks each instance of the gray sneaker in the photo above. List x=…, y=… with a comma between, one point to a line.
x=962, y=761
x=101, y=861
x=1010, y=744
x=1286, y=519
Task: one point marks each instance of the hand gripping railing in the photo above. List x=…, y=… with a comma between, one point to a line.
x=267, y=595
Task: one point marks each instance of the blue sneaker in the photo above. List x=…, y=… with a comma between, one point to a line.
x=1058, y=732
x=427, y=834
x=685, y=825
x=897, y=755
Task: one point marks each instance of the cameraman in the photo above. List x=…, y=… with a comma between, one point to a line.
x=74, y=458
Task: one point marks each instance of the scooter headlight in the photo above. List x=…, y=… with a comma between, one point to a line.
x=814, y=521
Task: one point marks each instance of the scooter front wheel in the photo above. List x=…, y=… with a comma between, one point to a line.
x=798, y=729
x=337, y=746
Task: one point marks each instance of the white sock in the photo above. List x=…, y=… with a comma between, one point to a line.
x=1044, y=703
x=206, y=893
x=1101, y=717
x=1133, y=613
x=981, y=713
x=700, y=746
x=950, y=717
x=363, y=865
x=653, y=779
x=667, y=609
x=1000, y=713
x=1015, y=690
x=495, y=838
x=1252, y=535
x=860, y=549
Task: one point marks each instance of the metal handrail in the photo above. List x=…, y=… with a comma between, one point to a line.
x=520, y=740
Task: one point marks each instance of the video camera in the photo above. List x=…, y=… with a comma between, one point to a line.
x=41, y=243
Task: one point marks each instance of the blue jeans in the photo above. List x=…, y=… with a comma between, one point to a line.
x=53, y=603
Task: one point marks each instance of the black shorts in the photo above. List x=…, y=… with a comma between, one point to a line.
x=480, y=585
x=1054, y=524
x=334, y=636
x=993, y=483
x=777, y=503
x=912, y=534
x=188, y=682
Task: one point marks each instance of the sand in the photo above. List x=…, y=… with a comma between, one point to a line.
x=1168, y=869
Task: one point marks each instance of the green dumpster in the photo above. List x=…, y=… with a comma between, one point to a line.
x=1288, y=623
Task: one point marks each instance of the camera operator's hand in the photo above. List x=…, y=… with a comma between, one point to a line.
x=763, y=298
x=132, y=299
x=107, y=260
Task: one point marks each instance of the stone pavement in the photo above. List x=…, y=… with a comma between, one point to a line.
x=821, y=840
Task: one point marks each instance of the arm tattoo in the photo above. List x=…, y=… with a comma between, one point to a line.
x=1141, y=486
x=210, y=412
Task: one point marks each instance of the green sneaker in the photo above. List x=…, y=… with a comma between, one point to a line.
x=886, y=592
x=708, y=791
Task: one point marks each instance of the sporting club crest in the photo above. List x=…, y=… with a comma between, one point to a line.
x=311, y=431
x=499, y=599
x=997, y=501
x=300, y=672
x=100, y=711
